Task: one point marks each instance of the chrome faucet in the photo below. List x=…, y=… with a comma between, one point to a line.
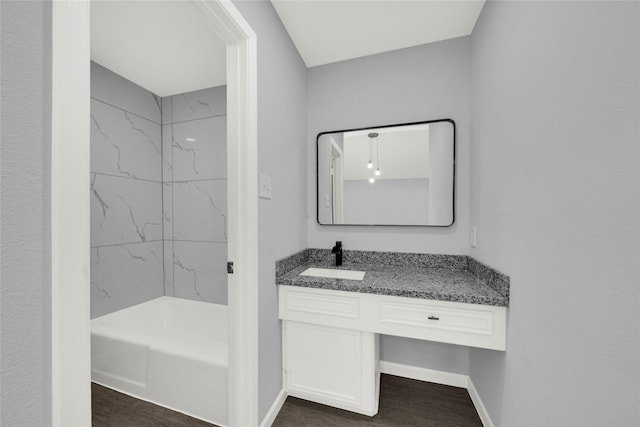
x=337, y=249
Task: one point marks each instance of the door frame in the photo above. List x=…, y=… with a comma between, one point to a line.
x=70, y=223
x=336, y=159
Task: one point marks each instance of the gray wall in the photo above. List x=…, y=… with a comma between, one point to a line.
x=25, y=293
x=555, y=195
x=283, y=155
x=194, y=151
x=126, y=193
x=415, y=84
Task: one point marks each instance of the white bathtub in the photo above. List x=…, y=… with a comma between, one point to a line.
x=168, y=351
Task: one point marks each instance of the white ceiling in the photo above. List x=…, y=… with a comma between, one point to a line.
x=168, y=48
x=164, y=46
x=326, y=31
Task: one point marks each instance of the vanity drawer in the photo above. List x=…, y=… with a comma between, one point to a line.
x=450, y=319
x=319, y=306
x=472, y=325
x=455, y=323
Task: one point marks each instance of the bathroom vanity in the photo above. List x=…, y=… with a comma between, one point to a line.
x=331, y=324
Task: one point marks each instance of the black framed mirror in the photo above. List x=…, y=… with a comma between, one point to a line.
x=402, y=174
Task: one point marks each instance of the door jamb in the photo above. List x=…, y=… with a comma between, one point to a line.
x=70, y=333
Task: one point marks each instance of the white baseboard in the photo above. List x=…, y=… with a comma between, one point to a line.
x=423, y=374
x=440, y=377
x=272, y=413
x=477, y=402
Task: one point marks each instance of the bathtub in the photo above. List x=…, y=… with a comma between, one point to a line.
x=169, y=351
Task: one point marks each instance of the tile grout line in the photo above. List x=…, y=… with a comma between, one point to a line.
x=127, y=111
x=125, y=244
x=219, y=242
x=162, y=154
x=173, y=267
x=125, y=177
x=196, y=119
x=198, y=180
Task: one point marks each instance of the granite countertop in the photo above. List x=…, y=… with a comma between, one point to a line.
x=454, y=278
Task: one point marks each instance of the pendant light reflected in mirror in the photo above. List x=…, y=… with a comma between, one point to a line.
x=370, y=164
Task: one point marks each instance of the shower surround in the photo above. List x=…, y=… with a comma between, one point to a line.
x=194, y=141
x=158, y=194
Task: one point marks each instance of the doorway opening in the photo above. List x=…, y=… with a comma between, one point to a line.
x=70, y=210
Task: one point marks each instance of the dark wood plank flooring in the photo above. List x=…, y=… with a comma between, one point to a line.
x=110, y=408
x=403, y=402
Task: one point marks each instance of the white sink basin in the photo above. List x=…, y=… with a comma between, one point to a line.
x=334, y=274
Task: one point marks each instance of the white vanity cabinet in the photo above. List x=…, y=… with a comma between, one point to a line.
x=330, y=352
x=333, y=366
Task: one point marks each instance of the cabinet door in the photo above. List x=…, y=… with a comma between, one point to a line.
x=332, y=366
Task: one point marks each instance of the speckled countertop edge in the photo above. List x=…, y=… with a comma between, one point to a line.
x=475, y=275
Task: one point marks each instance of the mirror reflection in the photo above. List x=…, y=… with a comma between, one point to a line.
x=387, y=175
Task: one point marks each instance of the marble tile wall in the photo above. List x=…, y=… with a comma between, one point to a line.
x=126, y=193
x=194, y=169
x=158, y=194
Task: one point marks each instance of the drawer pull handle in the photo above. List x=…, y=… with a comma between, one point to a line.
x=434, y=318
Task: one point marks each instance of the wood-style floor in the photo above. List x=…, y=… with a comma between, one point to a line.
x=110, y=408
x=403, y=402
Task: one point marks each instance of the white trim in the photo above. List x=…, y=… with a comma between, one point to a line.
x=273, y=412
x=70, y=330
x=242, y=205
x=71, y=404
x=424, y=374
x=480, y=408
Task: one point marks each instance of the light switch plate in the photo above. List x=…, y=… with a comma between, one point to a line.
x=264, y=186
